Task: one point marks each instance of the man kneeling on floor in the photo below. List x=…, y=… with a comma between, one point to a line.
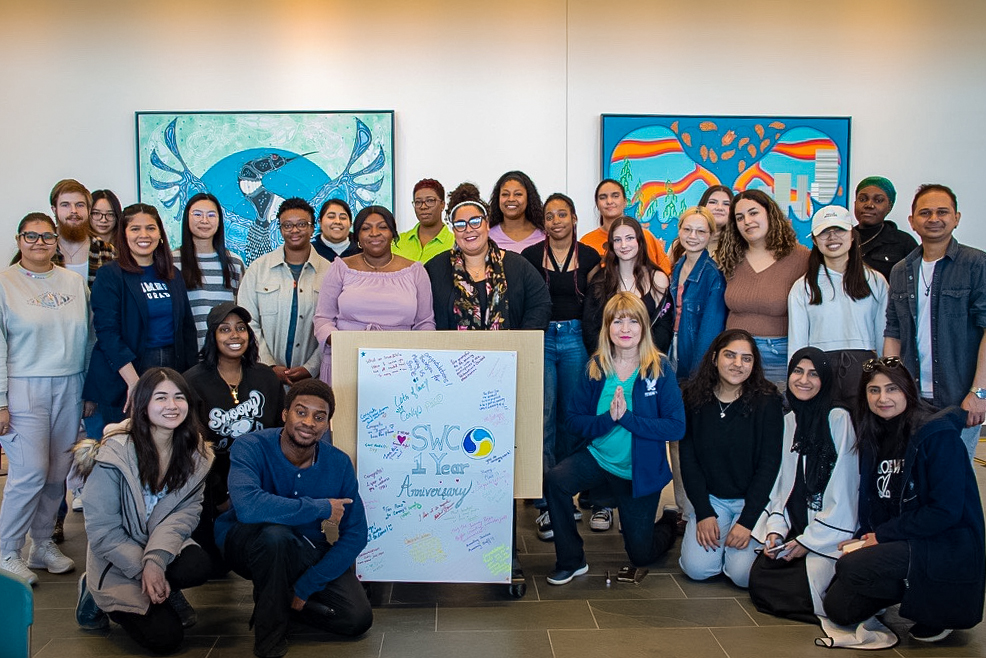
x=283, y=484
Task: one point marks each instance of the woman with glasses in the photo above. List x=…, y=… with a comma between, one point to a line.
x=44, y=337
x=477, y=285
x=375, y=290
x=211, y=272
x=840, y=305
x=140, y=313
x=920, y=536
x=334, y=239
x=761, y=258
x=566, y=265
x=729, y=457
x=106, y=212
x=516, y=214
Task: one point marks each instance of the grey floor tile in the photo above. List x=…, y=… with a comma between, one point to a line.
x=94, y=647
x=665, y=613
x=653, y=586
x=636, y=643
x=56, y=595
x=517, y=616
x=475, y=644
x=304, y=646
x=795, y=641
x=761, y=619
x=717, y=587
x=450, y=594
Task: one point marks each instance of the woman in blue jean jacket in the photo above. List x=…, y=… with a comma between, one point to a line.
x=624, y=440
x=699, y=288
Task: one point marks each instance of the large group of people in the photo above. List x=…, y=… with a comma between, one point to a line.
x=817, y=410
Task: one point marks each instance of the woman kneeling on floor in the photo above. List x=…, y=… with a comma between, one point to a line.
x=812, y=508
x=920, y=514
x=142, y=500
x=625, y=409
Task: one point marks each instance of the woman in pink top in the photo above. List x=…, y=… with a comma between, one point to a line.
x=375, y=290
x=516, y=212
x=761, y=258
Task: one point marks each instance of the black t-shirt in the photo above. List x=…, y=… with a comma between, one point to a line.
x=567, y=289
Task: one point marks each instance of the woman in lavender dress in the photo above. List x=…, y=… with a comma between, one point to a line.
x=375, y=290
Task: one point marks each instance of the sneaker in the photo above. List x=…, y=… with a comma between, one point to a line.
x=87, y=614
x=184, y=609
x=77, y=500
x=45, y=555
x=58, y=534
x=576, y=513
x=545, y=531
x=923, y=633
x=564, y=576
x=16, y=565
x=601, y=520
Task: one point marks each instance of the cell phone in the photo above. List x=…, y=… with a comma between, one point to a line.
x=853, y=545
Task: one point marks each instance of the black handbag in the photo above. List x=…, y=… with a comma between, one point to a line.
x=780, y=588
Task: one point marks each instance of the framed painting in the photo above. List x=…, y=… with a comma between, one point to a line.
x=252, y=161
x=666, y=162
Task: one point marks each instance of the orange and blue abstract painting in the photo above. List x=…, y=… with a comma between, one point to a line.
x=666, y=162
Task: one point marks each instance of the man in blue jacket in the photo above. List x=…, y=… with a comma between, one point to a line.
x=288, y=487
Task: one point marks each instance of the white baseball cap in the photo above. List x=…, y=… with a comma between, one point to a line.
x=830, y=216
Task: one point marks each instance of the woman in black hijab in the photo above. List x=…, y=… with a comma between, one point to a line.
x=812, y=508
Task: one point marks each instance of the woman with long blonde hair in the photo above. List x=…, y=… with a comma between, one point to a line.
x=626, y=408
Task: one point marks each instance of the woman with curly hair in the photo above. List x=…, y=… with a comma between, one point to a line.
x=142, y=501
x=516, y=213
x=730, y=456
x=477, y=285
x=760, y=256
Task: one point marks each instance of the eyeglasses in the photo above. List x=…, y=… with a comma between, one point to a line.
x=425, y=203
x=888, y=361
x=100, y=216
x=459, y=225
x=198, y=214
x=32, y=236
x=288, y=227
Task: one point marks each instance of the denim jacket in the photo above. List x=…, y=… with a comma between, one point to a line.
x=958, y=316
x=703, y=311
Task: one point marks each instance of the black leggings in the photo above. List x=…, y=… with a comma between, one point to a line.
x=159, y=629
x=866, y=581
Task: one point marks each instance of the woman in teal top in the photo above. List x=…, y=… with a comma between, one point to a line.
x=625, y=409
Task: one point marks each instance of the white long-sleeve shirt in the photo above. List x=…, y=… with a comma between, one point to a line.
x=839, y=322
x=44, y=324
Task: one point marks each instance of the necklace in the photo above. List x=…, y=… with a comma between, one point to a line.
x=924, y=278
x=234, y=389
x=875, y=236
x=377, y=269
x=70, y=256
x=627, y=286
x=722, y=409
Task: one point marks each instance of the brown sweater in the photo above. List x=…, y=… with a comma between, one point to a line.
x=757, y=302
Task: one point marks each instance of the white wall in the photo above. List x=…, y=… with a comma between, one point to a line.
x=480, y=88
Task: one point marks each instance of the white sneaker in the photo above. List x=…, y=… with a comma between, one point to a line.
x=45, y=555
x=16, y=565
x=77, y=501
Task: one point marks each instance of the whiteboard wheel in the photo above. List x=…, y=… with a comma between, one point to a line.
x=518, y=591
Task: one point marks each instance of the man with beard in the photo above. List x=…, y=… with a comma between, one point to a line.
x=77, y=249
x=288, y=487
x=431, y=236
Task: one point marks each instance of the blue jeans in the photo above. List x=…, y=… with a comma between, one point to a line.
x=700, y=564
x=970, y=437
x=644, y=540
x=565, y=360
x=773, y=354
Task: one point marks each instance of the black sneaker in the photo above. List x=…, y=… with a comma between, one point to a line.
x=545, y=531
x=923, y=633
x=184, y=609
x=564, y=576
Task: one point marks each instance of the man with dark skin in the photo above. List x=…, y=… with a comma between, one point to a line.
x=287, y=488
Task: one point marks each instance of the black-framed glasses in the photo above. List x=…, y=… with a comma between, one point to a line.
x=888, y=361
x=460, y=225
x=98, y=215
x=297, y=226
x=425, y=203
x=33, y=236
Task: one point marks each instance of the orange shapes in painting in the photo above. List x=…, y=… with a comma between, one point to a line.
x=635, y=149
x=652, y=190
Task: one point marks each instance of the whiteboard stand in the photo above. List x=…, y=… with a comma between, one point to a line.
x=528, y=434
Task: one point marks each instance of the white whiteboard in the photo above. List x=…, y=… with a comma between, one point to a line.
x=435, y=448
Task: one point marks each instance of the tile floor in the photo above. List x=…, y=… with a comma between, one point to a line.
x=666, y=615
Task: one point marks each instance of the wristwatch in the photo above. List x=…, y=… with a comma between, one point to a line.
x=979, y=392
